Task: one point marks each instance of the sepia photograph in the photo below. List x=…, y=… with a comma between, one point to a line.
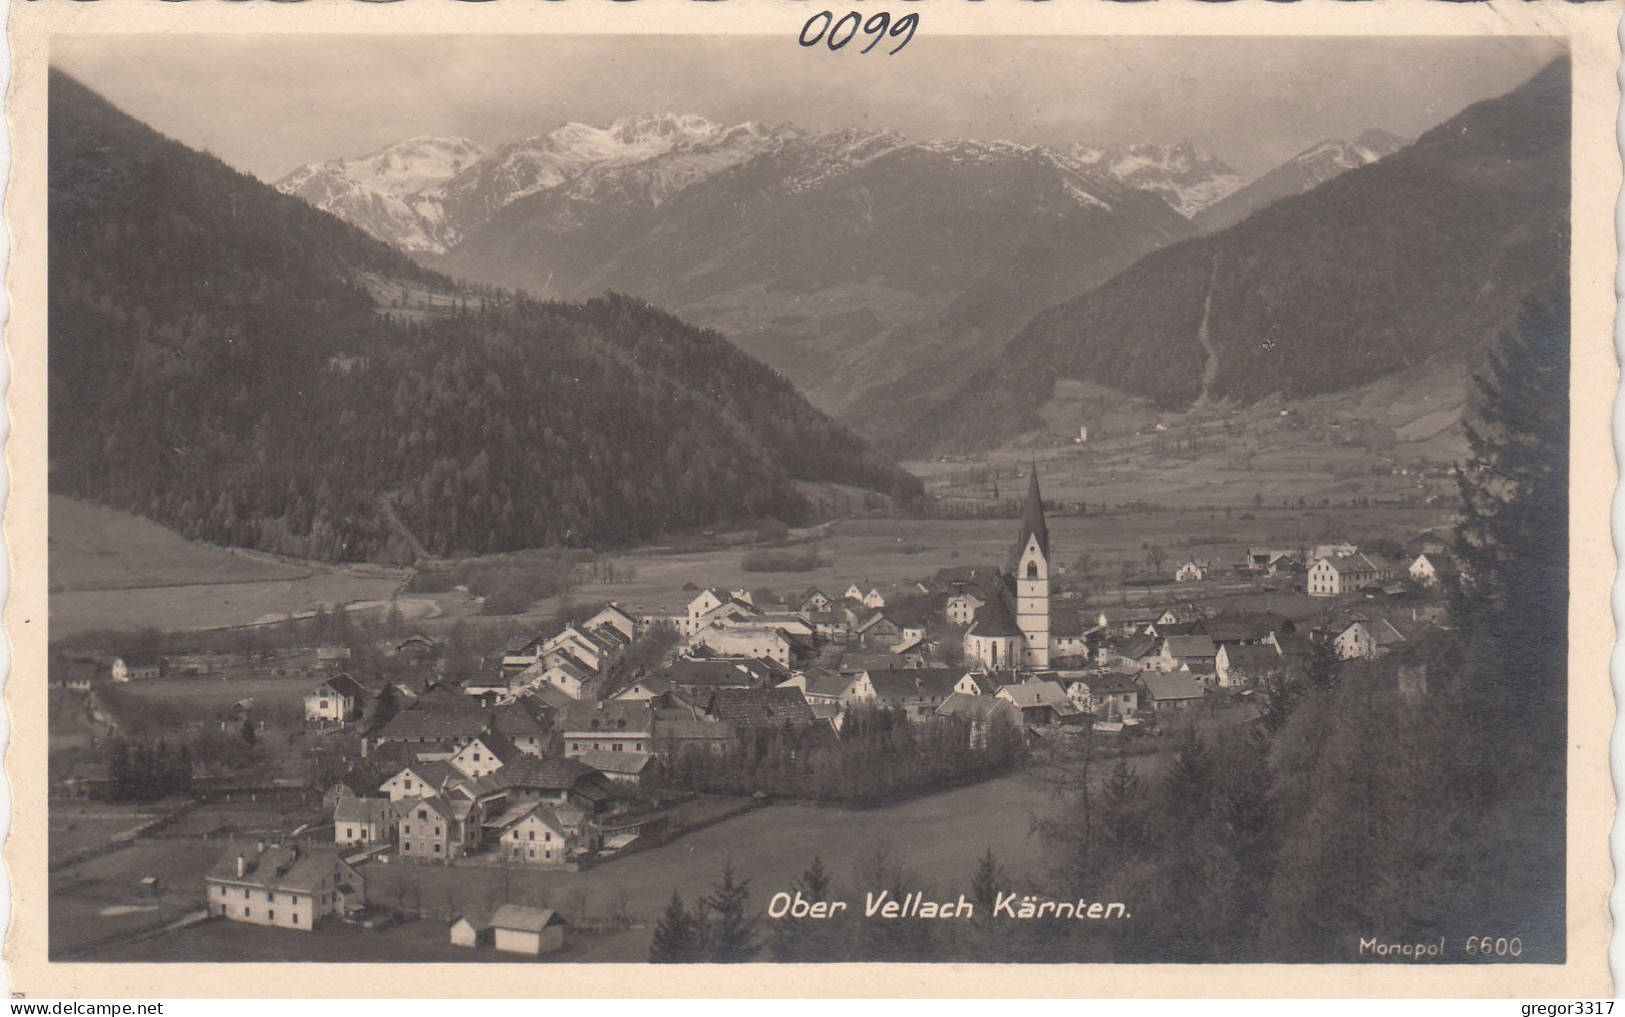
x=664, y=499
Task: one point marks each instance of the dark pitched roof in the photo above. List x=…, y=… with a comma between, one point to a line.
x=282, y=868
x=1256, y=657
x=760, y=707
x=714, y=673
x=538, y=773
x=995, y=618
x=1064, y=622
x=613, y=715
x=433, y=725
x=1190, y=646
x=1032, y=521
x=1136, y=647
x=344, y=685
x=1111, y=683
x=915, y=683
x=978, y=708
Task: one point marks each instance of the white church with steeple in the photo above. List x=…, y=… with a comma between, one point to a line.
x=1012, y=630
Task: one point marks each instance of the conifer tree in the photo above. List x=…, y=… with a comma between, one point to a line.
x=676, y=937
x=730, y=935
x=984, y=886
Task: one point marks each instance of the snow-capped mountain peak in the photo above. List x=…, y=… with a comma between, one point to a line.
x=1184, y=176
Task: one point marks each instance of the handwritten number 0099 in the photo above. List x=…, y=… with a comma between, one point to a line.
x=837, y=32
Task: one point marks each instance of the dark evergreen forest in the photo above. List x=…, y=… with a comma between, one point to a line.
x=193, y=315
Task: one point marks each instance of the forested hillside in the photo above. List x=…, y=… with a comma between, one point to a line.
x=193, y=315
x=1423, y=255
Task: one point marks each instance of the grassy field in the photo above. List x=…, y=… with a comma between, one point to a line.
x=96, y=548
x=940, y=837
x=112, y=570
x=102, y=899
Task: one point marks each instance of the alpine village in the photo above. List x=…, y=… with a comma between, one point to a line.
x=399, y=617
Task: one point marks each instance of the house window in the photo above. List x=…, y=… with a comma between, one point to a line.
x=296, y=918
x=437, y=849
x=270, y=915
x=270, y=898
x=532, y=835
x=248, y=912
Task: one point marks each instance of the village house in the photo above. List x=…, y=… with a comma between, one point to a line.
x=981, y=714
x=878, y=631
x=438, y=829
x=531, y=833
x=1185, y=653
x=1040, y=702
x=1191, y=571
x=529, y=931
x=1246, y=664
x=917, y=692
x=137, y=667
x=1366, y=639
x=1167, y=693
x=288, y=887
x=820, y=686
x=612, y=726
x=1113, y=695
x=1334, y=576
x=1432, y=570
x=677, y=735
x=418, y=647
x=1136, y=653
x=980, y=683
x=644, y=688
x=873, y=599
x=1068, y=641
x=698, y=678
x=484, y=753
x=421, y=780
x=1077, y=690
x=337, y=701
x=558, y=781
x=1122, y=622
x=766, y=643
x=422, y=725
x=829, y=626
x=359, y=821
x=621, y=767
x=814, y=600
x=962, y=608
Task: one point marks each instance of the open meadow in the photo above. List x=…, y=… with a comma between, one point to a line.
x=115, y=571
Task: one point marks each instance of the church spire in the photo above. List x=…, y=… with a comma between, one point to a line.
x=1032, y=520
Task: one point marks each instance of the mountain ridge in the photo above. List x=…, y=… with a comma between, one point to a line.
x=1425, y=253
x=242, y=367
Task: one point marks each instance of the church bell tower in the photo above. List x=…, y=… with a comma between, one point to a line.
x=1030, y=563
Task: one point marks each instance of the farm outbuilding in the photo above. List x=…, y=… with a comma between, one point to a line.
x=527, y=930
x=472, y=930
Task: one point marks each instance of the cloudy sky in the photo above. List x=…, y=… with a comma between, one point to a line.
x=270, y=104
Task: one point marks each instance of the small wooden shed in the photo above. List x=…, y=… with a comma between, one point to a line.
x=472, y=930
x=533, y=931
